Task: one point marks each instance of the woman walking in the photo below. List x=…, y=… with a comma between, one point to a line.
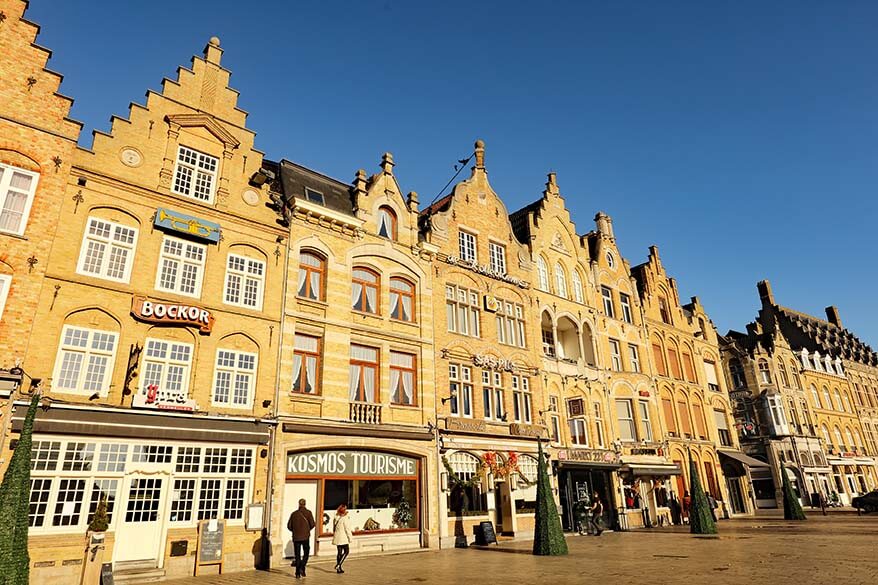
x=342, y=536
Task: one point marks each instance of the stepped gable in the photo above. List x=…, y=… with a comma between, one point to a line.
x=827, y=337
x=28, y=88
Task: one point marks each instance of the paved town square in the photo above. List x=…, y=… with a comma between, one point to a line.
x=837, y=549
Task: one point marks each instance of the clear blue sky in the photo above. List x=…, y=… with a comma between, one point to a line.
x=740, y=137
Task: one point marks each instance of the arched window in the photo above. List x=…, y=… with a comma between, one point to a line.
x=839, y=442
x=847, y=402
x=465, y=498
x=543, y=274
x=827, y=400
x=402, y=299
x=815, y=395
x=312, y=276
x=782, y=370
x=826, y=438
x=764, y=372
x=364, y=290
x=577, y=288
x=838, y=403
x=386, y=223
x=560, y=280
x=794, y=368
x=850, y=437
x=611, y=261
x=663, y=310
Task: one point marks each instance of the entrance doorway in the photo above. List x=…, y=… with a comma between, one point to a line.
x=580, y=484
x=139, y=532
x=736, y=495
x=293, y=492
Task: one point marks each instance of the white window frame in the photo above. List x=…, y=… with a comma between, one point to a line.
x=461, y=388
x=166, y=363
x=646, y=422
x=578, y=296
x=615, y=355
x=246, y=276
x=609, y=304
x=497, y=256
x=625, y=302
x=88, y=353
x=197, y=171
x=634, y=357
x=467, y=243
x=522, y=400
x=510, y=324
x=462, y=311
x=629, y=419
x=181, y=261
x=599, y=424
x=542, y=274
x=235, y=371
x=493, y=397
x=110, y=243
x=5, y=179
x=5, y=285
x=561, y=280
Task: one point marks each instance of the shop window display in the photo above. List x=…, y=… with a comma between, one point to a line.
x=373, y=504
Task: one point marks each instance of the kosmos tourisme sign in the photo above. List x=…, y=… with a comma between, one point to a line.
x=351, y=463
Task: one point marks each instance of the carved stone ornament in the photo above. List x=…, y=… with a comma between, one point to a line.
x=131, y=157
x=250, y=197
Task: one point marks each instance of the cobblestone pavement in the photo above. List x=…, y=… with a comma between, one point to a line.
x=838, y=549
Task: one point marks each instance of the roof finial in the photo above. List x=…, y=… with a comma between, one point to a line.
x=480, y=154
x=212, y=52
x=387, y=163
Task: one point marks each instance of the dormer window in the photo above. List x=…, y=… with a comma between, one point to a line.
x=314, y=196
x=195, y=175
x=387, y=223
x=611, y=262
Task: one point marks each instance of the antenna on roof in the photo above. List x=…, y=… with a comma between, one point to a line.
x=463, y=162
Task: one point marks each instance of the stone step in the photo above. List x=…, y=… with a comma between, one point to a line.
x=136, y=576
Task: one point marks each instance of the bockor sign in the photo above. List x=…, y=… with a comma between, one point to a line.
x=169, y=313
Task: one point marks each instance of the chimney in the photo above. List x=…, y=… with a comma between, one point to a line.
x=212, y=52
x=604, y=224
x=765, y=294
x=832, y=316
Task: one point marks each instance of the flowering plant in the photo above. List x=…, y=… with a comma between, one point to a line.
x=497, y=466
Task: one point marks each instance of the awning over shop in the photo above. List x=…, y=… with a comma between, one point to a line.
x=653, y=469
x=126, y=423
x=742, y=458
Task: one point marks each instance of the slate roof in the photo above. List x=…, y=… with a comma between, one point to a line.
x=336, y=194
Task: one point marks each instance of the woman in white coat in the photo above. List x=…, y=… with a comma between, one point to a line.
x=342, y=535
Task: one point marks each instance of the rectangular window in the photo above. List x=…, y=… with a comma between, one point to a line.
x=645, y=422
x=615, y=355
x=44, y=455
x=78, y=457
x=233, y=507
x=5, y=285
x=555, y=419
x=234, y=379
x=181, y=267
x=165, y=370
x=548, y=338
x=195, y=174
x=627, y=430
x=17, y=188
x=668, y=410
x=209, y=495
x=609, y=307
x=40, y=490
x=492, y=395
x=314, y=196
x=107, y=250
x=460, y=381
x=306, y=364
x=699, y=420
x=188, y=459
x=634, y=358
x=364, y=374
x=674, y=363
x=710, y=374
x=685, y=419
x=85, y=360
x=103, y=489
x=182, y=500
x=659, y=359
x=510, y=324
x=462, y=311
x=625, y=302
x=498, y=258
x=215, y=460
x=403, y=381
x=68, y=503
x=521, y=398
x=245, y=280
x=241, y=461
x=152, y=454
x=599, y=424
x=578, y=431
x=467, y=245
x=722, y=427
x=112, y=457
x=688, y=366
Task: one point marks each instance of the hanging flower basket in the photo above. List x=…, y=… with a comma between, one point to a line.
x=497, y=466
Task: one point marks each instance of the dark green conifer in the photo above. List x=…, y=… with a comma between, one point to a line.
x=700, y=517
x=792, y=510
x=548, y=534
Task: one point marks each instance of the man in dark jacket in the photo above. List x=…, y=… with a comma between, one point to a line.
x=301, y=523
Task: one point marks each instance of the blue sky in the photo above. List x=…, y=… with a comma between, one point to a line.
x=740, y=137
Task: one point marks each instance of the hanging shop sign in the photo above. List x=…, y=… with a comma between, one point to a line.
x=525, y=430
x=492, y=305
x=486, y=270
x=654, y=451
x=351, y=463
x=466, y=424
x=175, y=221
x=589, y=456
x=171, y=314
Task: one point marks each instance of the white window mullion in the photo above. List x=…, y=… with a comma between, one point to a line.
x=181, y=267
x=17, y=189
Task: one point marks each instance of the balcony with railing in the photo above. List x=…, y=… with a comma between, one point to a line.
x=367, y=413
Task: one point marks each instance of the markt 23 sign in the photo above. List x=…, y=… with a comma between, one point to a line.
x=169, y=314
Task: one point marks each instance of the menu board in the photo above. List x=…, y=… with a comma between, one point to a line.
x=210, y=542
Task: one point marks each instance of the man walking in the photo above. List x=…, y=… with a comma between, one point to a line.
x=301, y=523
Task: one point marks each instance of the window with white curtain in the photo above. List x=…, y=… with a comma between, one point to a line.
x=234, y=379
x=5, y=284
x=365, y=284
x=17, y=188
x=107, y=250
x=245, y=280
x=542, y=274
x=85, y=360
x=578, y=296
x=181, y=267
x=560, y=280
x=312, y=272
x=364, y=374
x=402, y=378
x=306, y=364
x=402, y=300
x=166, y=367
x=386, y=223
